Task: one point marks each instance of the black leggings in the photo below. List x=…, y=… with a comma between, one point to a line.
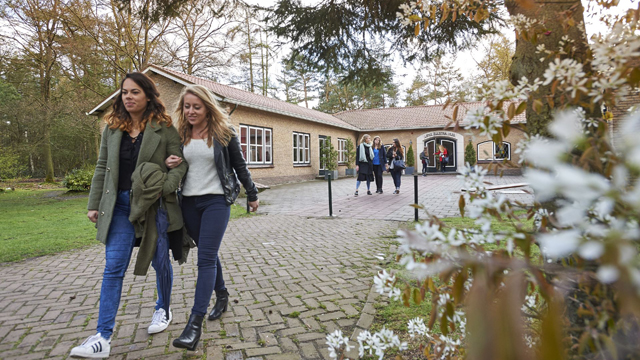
x=377, y=173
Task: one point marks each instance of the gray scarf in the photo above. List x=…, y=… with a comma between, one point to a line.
x=363, y=157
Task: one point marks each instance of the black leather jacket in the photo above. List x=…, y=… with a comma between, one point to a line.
x=231, y=166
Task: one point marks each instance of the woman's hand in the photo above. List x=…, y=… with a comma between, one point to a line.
x=93, y=215
x=173, y=161
x=357, y=168
x=253, y=205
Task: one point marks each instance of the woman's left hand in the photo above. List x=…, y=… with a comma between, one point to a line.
x=253, y=205
x=173, y=161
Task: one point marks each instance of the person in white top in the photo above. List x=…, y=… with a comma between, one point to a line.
x=212, y=150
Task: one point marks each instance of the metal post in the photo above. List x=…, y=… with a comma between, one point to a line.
x=415, y=195
x=248, y=212
x=330, y=200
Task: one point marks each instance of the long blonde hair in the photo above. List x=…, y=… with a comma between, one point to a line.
x=218, y=125
x=364, y=137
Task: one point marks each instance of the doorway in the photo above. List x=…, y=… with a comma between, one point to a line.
x=432, y=148
x=323, y=163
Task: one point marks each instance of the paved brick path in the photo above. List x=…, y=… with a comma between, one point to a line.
x=438, y=193
x=291, y=280
x=293, y=274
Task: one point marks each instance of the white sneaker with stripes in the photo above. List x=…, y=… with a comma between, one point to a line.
x=95, y=347
x=160, y=321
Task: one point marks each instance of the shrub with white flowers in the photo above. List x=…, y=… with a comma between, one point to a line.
x=564, y=281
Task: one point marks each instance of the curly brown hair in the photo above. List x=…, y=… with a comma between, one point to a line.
x=119, y=117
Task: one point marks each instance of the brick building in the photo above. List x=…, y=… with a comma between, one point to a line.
x=282, y=141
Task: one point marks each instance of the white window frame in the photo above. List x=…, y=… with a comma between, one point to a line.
x=493, y=151
x=300, y=144
x=250, y=148
x=342, y=151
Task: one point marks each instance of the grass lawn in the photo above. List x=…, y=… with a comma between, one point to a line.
x=43, y=222
x=393, y=315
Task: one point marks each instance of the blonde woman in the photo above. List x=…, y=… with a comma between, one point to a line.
x=443, y=156
x=379, y=162
x=364, y=163
x=212, y=149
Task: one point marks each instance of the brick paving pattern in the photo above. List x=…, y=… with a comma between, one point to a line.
x=291, y=281
x=437, y=193
x=294, y=275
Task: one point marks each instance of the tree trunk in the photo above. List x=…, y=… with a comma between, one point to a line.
x=526, y=61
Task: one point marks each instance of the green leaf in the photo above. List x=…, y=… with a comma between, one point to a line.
x=417, y=298
x=511, y=111
x=521, y=108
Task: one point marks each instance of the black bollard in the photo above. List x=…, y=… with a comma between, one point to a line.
x=330, y=200
x=248, y=211
x=415, y=194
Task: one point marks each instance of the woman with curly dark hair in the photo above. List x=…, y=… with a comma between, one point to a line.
x=139, y=131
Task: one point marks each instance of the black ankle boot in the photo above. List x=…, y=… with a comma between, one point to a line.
x=191, y=333
x=222, y=300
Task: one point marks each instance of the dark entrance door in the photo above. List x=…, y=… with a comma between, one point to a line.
x=432, y=147
x=321, y=140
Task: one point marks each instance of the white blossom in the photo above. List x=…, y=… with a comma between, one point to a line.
x=379, y=342
x=591, y=250
x=560, y=243
x=608, y=274
x=384, y=283
x=336, y=341
x=417, y=327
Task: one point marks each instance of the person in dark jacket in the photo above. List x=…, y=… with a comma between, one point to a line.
x=138, y=130
x=424, y=156
x=364, y=163
x=395, y=153
x=379, y=162
x=212, y=149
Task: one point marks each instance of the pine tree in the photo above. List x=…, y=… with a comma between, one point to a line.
x=411, y=157
x=470, y=154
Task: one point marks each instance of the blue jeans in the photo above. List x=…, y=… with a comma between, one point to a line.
x=118, y=249
x=206, y=218
x=397, y=176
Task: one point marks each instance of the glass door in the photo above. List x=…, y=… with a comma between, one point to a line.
x=323, y=163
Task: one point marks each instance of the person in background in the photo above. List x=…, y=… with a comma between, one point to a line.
x=212, y=149
x=379, y=162
x=424, y=156
x=364, y=163
x=444, y=157
x=138, y=131
x=395, y=153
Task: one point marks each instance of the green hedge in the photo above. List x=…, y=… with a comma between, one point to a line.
x=79, y=179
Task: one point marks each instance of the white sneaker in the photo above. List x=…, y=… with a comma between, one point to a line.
x=95, y=347
x=159, y=322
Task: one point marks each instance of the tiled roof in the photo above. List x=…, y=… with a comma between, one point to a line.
x=236, y=96
x=432, y=116
x=411, y=117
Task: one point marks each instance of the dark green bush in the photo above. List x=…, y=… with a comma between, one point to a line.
x=411, y=157
x=470, y=154
x=79, y=179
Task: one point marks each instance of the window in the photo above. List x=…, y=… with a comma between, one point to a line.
x=301, y=148
x=342, y=150
x=489, y=150
x=256, y=144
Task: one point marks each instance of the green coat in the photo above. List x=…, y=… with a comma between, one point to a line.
x=158, y=142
